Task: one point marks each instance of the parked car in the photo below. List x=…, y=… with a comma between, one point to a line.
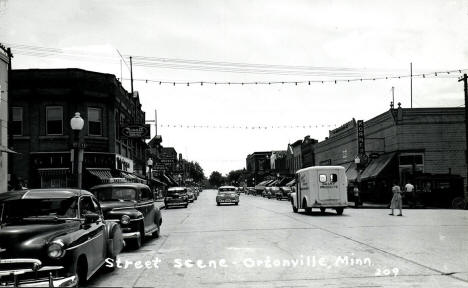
x=283, y=193
x=54, y=238
x=195, y=193
x=191, y=196
x=269, y=192
x=227, y=194
x=176, y=196
x=132, y=206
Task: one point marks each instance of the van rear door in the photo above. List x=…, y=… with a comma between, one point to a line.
x=328, y=185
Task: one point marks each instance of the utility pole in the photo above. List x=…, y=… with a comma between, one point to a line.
x=131, y=75
x=465, y=85
x=156, y=122
x=411, y=83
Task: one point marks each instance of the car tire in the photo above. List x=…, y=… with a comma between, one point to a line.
x=81, y=271
x=237, y=203
x=186, y=205
x=339, y=211
x=157, y=233
x=217, y=203
x=294, y=209
x=322, y=210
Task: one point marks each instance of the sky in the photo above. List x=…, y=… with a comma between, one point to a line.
x=250, y=41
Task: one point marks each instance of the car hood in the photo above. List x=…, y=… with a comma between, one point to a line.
x=110, y=205
x=29, y=239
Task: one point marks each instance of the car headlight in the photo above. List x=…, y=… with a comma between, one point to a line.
x=125, y=219
x=55, y=250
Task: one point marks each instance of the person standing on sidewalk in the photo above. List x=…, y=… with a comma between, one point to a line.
x=357, y=199
x=397, y=202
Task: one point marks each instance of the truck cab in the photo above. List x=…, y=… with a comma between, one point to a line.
x=320, y=187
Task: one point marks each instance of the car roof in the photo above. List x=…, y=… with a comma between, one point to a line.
x=43, y=193
x=125, y=184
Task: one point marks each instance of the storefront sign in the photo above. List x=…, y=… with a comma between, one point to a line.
x=123, y=163
x=136, y=131
x=360, y=131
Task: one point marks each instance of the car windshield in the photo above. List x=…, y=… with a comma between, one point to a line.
x=226, y=190
x=39, y=208
x=115, y=194
x=180, y=191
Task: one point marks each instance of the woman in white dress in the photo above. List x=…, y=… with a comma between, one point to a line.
x=397, y=201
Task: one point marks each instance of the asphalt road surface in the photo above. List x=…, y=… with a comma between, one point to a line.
x=262, y=243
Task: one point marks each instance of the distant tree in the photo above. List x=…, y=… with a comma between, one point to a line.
x=235, y=177
x=216, y=179
x=195, y=171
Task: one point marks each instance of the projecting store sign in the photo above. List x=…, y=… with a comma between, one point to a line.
x=136, y=131
x=360, y=131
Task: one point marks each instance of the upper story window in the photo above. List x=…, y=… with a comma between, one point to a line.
x=95, y=121
x=54, y=116
x=17, y=124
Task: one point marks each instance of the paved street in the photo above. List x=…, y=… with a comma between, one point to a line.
x=262, y=243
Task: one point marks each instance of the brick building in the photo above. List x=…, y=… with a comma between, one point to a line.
x=43, y=102
x=423, y=145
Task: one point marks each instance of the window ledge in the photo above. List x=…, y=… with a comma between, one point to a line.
x=96, y=137
x=53, y=137
x=21, y=137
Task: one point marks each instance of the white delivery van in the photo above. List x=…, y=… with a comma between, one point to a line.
x=320, y=187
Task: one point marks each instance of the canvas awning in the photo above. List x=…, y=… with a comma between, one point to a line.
x=157, y=182
x=103, y=174
x=291, y=183
x=7, y=150
x=131, y=177
x=52, y=171
x=376, y=166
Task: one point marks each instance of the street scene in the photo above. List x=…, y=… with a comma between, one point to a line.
x=234, y=143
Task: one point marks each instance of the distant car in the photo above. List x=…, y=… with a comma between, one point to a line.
x=191, y=196
x=268, y=192
x=176, y=196
x=227, y=194
x=194, y=191
x=54, y=238
x=283, y=193
x=132, y=206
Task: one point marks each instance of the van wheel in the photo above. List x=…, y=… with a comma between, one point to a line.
x=294, y=209
x=308, y=210
x=322, y=210
x=339, y=211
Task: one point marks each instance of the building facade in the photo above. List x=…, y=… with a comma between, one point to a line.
x=5, y=58
x=43, y=102
x=425, y=146
x=258, y=167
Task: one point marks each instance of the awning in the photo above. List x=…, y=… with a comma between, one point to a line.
x=345, y=165
x=172, y=179
x=131, y=177
x=157, y=182
x=351, y=172
x=104, y=174
x=376, y=166
x=272, y=183
x=52, y=171
x=291, y=183
x=7, y=150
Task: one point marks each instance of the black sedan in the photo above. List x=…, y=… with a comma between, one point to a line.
x=132, y=206
x=54, y=238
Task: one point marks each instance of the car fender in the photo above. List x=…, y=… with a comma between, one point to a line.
x=294, y=200
x=118, y=213
x=114, y=239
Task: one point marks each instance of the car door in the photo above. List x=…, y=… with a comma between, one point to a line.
x=146, y=206
x=95, y=243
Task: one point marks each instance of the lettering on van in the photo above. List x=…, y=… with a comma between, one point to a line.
x=304, y=183
x=328, y=181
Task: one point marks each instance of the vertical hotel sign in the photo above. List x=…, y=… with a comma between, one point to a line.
x=360, y=133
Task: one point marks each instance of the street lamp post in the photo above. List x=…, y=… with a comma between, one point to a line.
x=77, y=124
x=150, y=167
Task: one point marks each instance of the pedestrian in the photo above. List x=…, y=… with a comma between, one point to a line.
x=396, y=199
x=357, y=199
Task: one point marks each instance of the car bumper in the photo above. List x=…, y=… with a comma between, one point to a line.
x=71, y=281
x=131, y=235
x=176, y=203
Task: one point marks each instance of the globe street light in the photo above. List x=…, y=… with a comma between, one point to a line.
x=77, y=124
